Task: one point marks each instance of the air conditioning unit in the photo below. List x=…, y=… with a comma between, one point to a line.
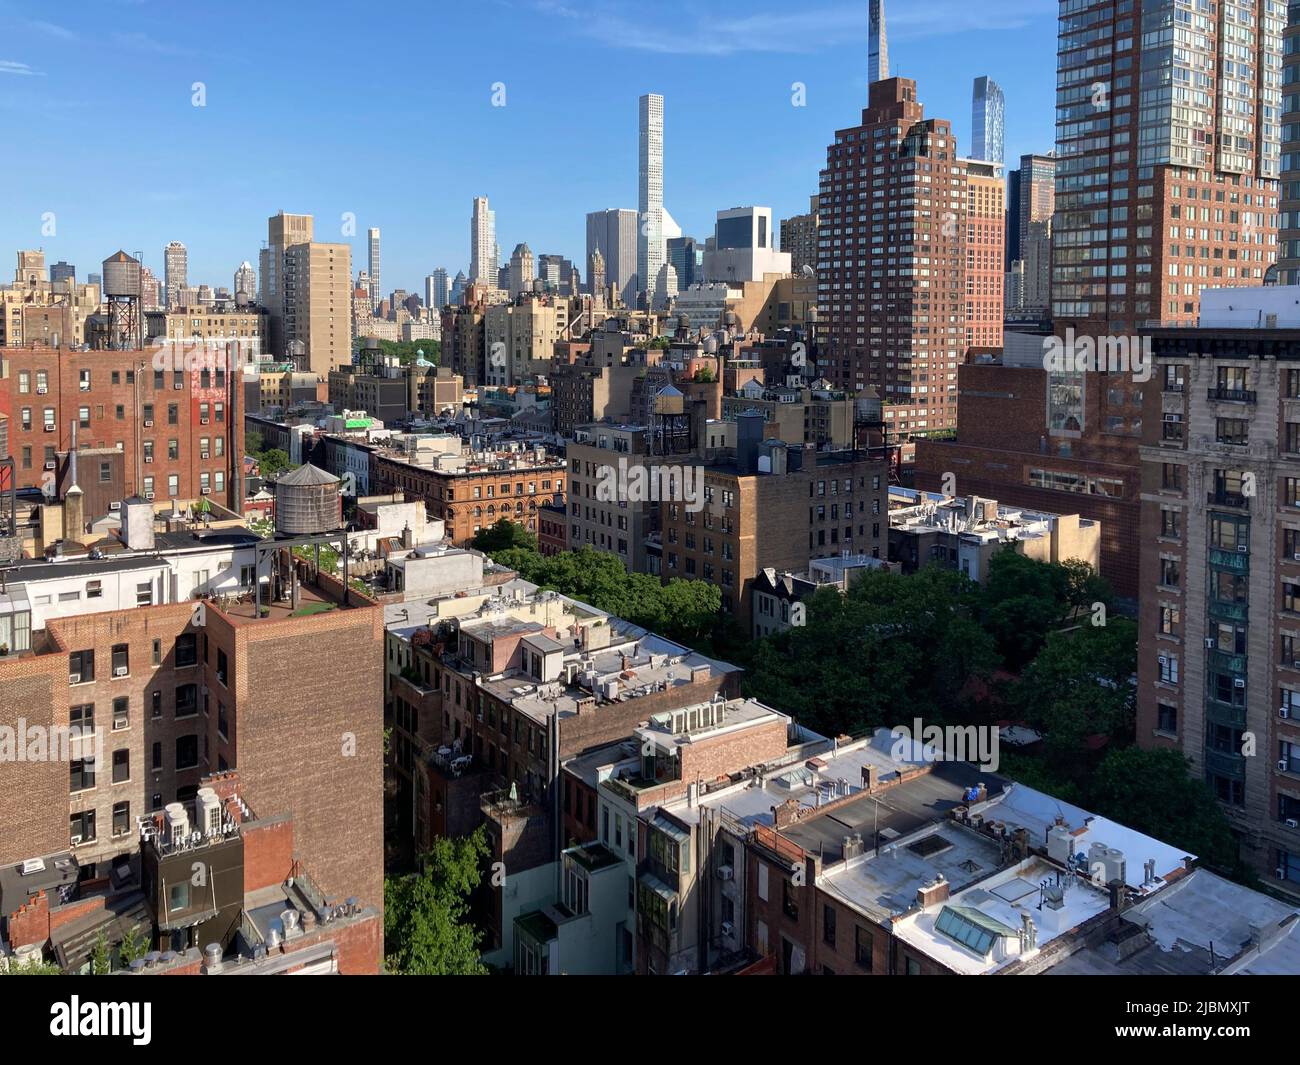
x=75, y=840
x=49, y=428
x=203, y=454
x=725, y=872
x=1209, y=642
x=148, y=495
x=203, y=421
x=148, y=458
x=1291, y=822
x=148, y=423
x=120, y=671
x=33, y=865
x=204, y=491
x=1279, y=873
x=1238, y=682
x=1283, y=765
x=1163, y=660
x=727, y=928
x=1242, y=548
x=1296, y=557
x=51, y=465
x=1283, y=711
x=74, y=678
x=42, y=389
x=115, y=505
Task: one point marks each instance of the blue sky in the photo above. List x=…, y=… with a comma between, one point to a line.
x=386, y=112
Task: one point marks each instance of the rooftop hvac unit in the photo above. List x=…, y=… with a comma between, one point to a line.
x=33, y=865
x=208, y=808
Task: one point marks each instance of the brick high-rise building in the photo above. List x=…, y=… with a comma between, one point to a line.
x=891, y=282
x=985, y=245
x=799, y=237
x=1158, y=199
x=1219, y=626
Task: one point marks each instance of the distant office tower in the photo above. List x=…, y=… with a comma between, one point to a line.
x=1128, y=154
x=62, y=271
x=437, y=290
x=799, y=237
x=742, y=248
x=372, y=264
x=150, y=290
x=95, y=279
x=1013, y=293
x=458, y=287
x=1013, y=216
x=877, y=45
x=650, y=192
x=175, y=266
x=988, y=120
x=614, y=234
x=596, y=274
x=1036, y=203
x=522, y=270
x=884, y=331
x=317, y=305
x=483, y=244
x=246, y=280
x=986, y=219
x=557, y=273
x=686, y=255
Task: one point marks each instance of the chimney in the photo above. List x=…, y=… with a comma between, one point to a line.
x=870, y=777
x=932, y=893
x=1118, y=895
x=74, y=505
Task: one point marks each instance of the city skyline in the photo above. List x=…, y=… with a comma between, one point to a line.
x=545, y=204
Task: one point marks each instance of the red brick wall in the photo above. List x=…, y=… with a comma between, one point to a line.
x=268, y=853
x=33, y=795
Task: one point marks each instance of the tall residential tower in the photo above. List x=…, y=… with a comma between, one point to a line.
x=650, y=248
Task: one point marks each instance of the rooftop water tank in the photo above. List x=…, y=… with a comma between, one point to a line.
x=307, y=502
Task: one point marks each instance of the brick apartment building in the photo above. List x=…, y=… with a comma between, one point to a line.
x=1068, y=448
x=177, y=700
x=473, y=492
x=178, y=429
x=1219, y=640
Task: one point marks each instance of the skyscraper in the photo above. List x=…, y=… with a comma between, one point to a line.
x=282, y=230
x=483, y=244
x=614, y=234
x=522, y=270
x=437, y=290
x=986, y=220
x=175, y=259
x=372, y=265
x=1128, y=244
x=650, y=193
x=1031, y=216
x=246, y=280
x=799, y=238
x=988, y=120
x=884, y=330
x=877, y=46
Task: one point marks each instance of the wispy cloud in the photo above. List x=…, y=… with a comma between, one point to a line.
x=10, y=66
x=714, y=30
x=142, y=42
x=50, y=29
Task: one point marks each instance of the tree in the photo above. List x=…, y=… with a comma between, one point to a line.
x=1152, y=791
x=502, y=536
x=101, y=963
x=1081, y=684
x=272, y=463
x=135, y=944
x=426, y=931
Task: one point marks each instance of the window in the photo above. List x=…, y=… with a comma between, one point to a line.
x=1169, y=523
x=1168, y=668
x=121, y=818
x=187, y=752
x=156, y=759
x=187, y=649
x=81, y=667
x=789, y=903
x=862, y=947
x=144, y=594
x=222, y=667
x=81, y=827
x=828, y=925
x=187, y=700
x=178, y=896
x=81, y=774
x=121, y=766
x=1169, y=574
x=121, y=713
x=121, y=660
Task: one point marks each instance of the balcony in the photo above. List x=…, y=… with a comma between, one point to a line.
x=1230, y=395
x=1225, y=764
x=1227, y=499
x=1236, y=561
x=1228, y=714
x=1224, y=611
x=1228, y=663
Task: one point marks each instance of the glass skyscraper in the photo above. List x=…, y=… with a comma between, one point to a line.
x=988, y=120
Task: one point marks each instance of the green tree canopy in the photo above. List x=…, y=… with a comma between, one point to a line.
x=503, y=535
x=426, y=927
